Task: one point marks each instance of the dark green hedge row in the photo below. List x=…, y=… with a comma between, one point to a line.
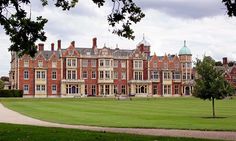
x=11, y=93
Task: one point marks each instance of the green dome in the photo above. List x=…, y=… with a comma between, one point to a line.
x=185, y=50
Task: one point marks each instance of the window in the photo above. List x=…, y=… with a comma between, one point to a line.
x=26, y=63
x=93, y=74
x=107, y=89
x=26, y=74
x=165, y=65
x=123, y=64
x=155, y=64
x=72, y=89
x=40, y=63
x=71, y=74
x=138, y=75
x=176, y=65
x=116, y=63
x=93, y=63
x=141, y=89
x=107, y=74
x=115, y=75
x=176, y=75
x=167, y=89
x=93, y=90
x=54, y=89
x=85, y=63
x=188, y=76
x=101, y=74
x=102, y=89
x=86, y=89
x=123, y=90
x=43, y=74
x=101, y=63
x=154, y=75
x=85, y=75
x=155, y=90
x=107, y=62
x=189, y=65
x=54, y=75
x=123, y=75
x=167, y=75
x=176, y=89
x=115, y=89
x=26, y=89
x=54, y=64
x=184, y=76
x=138, y=64
x=40, y=88
x=71, y=62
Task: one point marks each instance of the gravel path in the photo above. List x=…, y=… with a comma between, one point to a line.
x=9, y=116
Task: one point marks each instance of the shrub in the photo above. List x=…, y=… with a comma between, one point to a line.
x=11, y=93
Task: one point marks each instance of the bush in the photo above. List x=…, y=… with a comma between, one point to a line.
x=11, y=93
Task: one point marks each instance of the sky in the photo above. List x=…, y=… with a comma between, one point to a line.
x=204, y=24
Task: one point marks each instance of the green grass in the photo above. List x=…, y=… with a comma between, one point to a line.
x=179, y=113
x=11, y=132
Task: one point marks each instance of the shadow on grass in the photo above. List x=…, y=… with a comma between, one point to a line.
x=214, y=117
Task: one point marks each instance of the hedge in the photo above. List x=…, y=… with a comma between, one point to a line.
x=11, y=93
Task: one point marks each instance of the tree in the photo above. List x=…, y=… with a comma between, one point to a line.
x=231, y=7
x=24, y=31
x=1, y=85
x=211, y=84
x=218, y=63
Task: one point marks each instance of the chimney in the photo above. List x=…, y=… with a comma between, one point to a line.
x=59, y=45
x=94, y=43
x=41, y=46
x=73, y=43
x=225, y=62
x=52, y=46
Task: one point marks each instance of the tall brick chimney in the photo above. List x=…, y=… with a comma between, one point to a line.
x=94, y=43
x=73, y=43
x=41, y=46
x=52, y=46
x=59, y=45
x=225, y=62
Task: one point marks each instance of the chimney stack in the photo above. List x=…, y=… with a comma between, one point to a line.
x=59, y=45
x=52, y=46
x=73, y=43
x=94, y=43
x=41, y=46
x=225, y=62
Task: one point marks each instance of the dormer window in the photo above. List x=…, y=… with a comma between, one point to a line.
x=71, y=52
x=40, y=63
x=26, y=63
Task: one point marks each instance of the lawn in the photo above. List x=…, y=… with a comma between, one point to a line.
x=11, y=132
x=180, y=113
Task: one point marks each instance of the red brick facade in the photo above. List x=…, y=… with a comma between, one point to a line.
x=102, y=72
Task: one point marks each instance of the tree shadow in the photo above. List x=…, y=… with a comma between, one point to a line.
x=214, y=117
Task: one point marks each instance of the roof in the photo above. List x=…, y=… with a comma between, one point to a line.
x=185, y=50
x=144, y=42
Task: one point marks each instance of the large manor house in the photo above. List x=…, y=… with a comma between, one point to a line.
x=93, y=71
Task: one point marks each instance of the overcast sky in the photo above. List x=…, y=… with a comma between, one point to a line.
x=203, y=23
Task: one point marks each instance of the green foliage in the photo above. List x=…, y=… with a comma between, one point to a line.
x=178, y=112
x=1, y=85
x=231, y=7
x=218, y=63
x=211, y=82
x=11, y=93
x=12, y=132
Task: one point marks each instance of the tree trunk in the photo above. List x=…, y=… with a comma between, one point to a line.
x=213, y=107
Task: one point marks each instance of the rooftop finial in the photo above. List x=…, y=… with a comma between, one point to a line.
x=184, y=43
x=143, y=36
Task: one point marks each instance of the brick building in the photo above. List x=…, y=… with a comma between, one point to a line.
x=103, y=71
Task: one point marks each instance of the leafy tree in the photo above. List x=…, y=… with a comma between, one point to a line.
x=218, y=63
x=231, y=7
x=1, y=85
x=24, y=31
x=211, y=84
x=231, y=63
